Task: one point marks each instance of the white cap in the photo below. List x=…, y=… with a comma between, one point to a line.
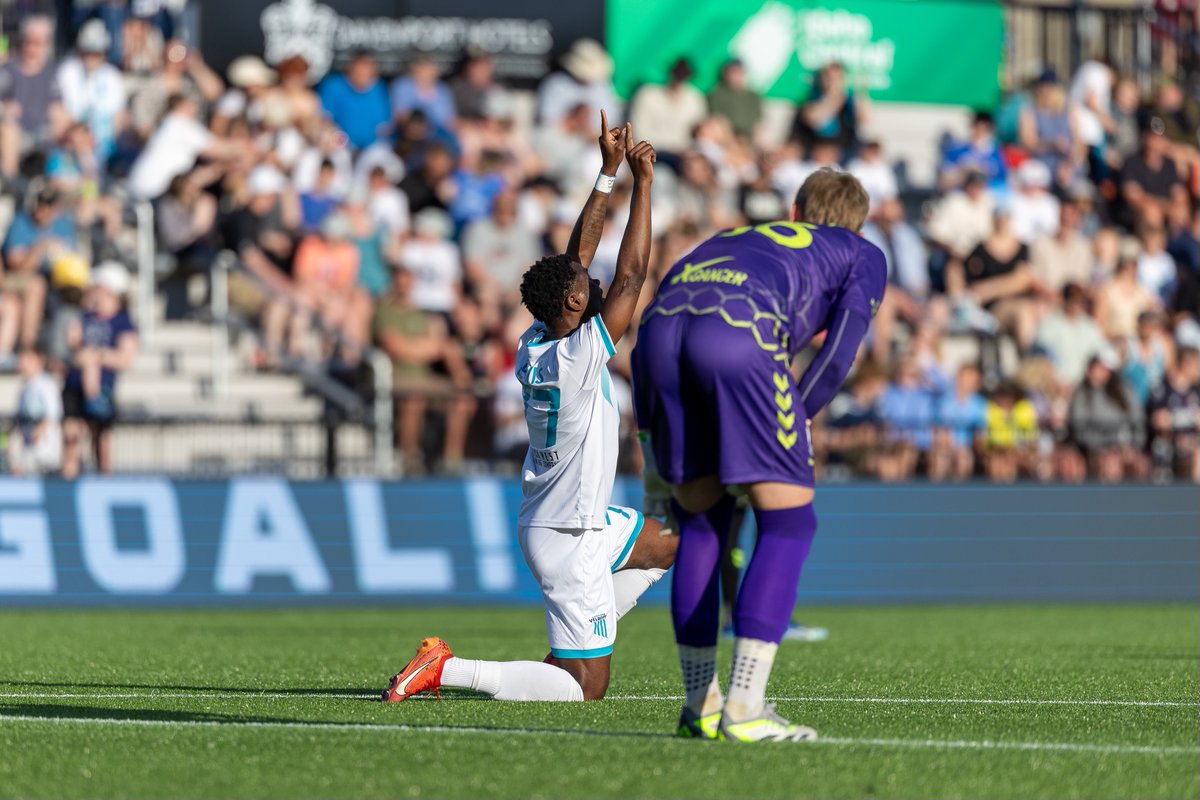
x=93, y=37
x=111, y=275
x=1034, y=173
x=1107, y=356
x=335, y=226
x=266, y=179
x=247, y=71
x=588, y=61
x=433, y=221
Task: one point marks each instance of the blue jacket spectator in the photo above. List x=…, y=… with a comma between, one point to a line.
x=422, y=89
x=978, y=153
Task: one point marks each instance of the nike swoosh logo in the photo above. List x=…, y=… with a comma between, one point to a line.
x=403, y=687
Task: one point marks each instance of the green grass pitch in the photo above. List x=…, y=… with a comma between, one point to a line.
x=961, y=701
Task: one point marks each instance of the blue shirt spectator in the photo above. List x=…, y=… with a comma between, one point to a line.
x=907, y=408
x=963, y=411
x=422, y=89
x=476, y=192
x=48, y=228
x=357, y=102
x=979, y=153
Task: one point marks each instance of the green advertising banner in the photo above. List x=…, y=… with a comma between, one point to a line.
x=919, y=51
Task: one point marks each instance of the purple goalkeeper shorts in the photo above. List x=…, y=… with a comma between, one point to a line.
x=715, y=402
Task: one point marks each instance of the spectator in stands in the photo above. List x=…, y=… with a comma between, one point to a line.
x=700, y=197
x=852, y=424
x=31, y=113
x=317, y=202
x=1155, y=267
x=250, y=81
x=296, y=95
x=1121, y=300
x=960, y=221
x=1034, y=210
x=387, y=205
x=979, y=154
x=1149, y=180
x=93, y=91
x=357, y=101
x=474, y=187
x=567, y=149
x=1106, y=422
x=183, y=73
x=104, y=343
x=1063, y=257
x=1069, y=336
x=36, y=446
x=758, y=201
x=1123, y=137
x=1090, y=106
x=1174, y=413
x=732, y=99
x=874, y=173
x=33, y=240
x=908, y=274
x=434, y=262
x=667, y=113
x=416, y=341
x=422, y=88
x=1047, y=128
x=1012, y=432
x=1147, y=355
x=907, y=412
x=474, y=80
x=832, y=111
x=996, y=277
x=69, y=278
x=431, y=185
x=585, y=79
x=326, y=273
x=496, y=134
x=377, y=246
x=185, y=225
x=1179, y=116
x=174, y=148
x=497, y=251
x=961, y=418
x=326, y=143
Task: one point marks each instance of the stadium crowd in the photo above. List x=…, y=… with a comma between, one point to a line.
x=1042, y=320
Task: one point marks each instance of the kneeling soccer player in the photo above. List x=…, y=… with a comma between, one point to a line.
x=713, y=391
x=592, y=560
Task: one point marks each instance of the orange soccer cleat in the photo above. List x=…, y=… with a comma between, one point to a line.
x=422, y=674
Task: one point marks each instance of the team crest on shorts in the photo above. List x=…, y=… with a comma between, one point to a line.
x=600, y=625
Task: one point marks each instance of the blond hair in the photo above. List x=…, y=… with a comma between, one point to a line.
x=833, y=197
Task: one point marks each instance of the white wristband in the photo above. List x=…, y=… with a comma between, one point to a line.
x=605, y=183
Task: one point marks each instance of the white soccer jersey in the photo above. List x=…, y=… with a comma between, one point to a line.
x=574, y=426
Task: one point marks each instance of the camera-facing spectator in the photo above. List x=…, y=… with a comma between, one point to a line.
x=33, y=240
x=497, y=251
x=1106, y=422
x=833, y=110
x=422, y=88
x=104, y=342
x=184, y=73
x=1048, y=128
x=357, y=101
x=585, y=79
x=667, y=113
x=978, y=154
x=961, y=418
x=732, y=99
x=250, y=82
x=1069, y=336
x=473, y=82
x=35, y=448
x=434, y=262
x=1149, y=180
x=1064, y=256
x=174, y=147
x=93, y=91
x=30, y=96
x=1011, y=434
x=1174, y=413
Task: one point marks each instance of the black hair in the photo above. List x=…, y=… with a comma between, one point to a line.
x=546, y=285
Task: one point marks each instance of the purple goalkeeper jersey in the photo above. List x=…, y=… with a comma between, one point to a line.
x=780, y=280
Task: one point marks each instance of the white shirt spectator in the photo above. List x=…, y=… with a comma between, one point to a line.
x=308, y=167
x=389, y=209
x=877, y=177
x=1096, y=80
x=94, y=95
x=959, y=223
x=1155, y=271
x=40, y=402
x=667, y=116
x=1034, y=215
x=504, y=253
x=437, y=271
x=559, y=93
x=382, y=155
x=172, y=150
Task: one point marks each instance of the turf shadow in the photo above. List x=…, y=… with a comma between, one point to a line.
x=350, y=694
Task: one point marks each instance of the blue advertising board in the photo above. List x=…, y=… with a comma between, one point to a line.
x=131, y=540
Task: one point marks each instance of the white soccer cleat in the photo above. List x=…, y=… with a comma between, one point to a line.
x=766, y=727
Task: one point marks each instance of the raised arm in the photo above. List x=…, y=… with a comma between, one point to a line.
x=633, y=259
x=585, y=237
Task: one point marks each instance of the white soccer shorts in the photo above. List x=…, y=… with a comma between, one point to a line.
x=574, y=568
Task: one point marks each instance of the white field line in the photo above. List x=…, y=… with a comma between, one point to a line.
x=950, y=744
x=201, y=694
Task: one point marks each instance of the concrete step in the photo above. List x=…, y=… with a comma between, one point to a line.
x=147, y=387
x=226, y=408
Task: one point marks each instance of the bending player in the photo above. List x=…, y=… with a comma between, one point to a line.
x=588, y=556
x=714, y=394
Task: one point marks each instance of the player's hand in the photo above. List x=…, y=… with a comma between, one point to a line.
x=641, y=157
x=612, y=146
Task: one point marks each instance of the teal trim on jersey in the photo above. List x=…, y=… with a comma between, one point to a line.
x=606, y=387
x=608, y=342
x=633, y=538
x=552, y=396
x=595, y=652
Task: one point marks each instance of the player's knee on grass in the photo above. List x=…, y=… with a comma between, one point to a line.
x=655, y=547
x=590, y=673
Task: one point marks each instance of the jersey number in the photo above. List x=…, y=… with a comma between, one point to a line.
x=792, y=235
x=551, y=397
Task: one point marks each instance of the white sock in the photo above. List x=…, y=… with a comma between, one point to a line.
x=511, y=680
x=630, y=584
x=752, y=660
x=700, y=684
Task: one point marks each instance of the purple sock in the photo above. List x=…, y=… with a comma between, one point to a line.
x=695, y=589
x=768, y=593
